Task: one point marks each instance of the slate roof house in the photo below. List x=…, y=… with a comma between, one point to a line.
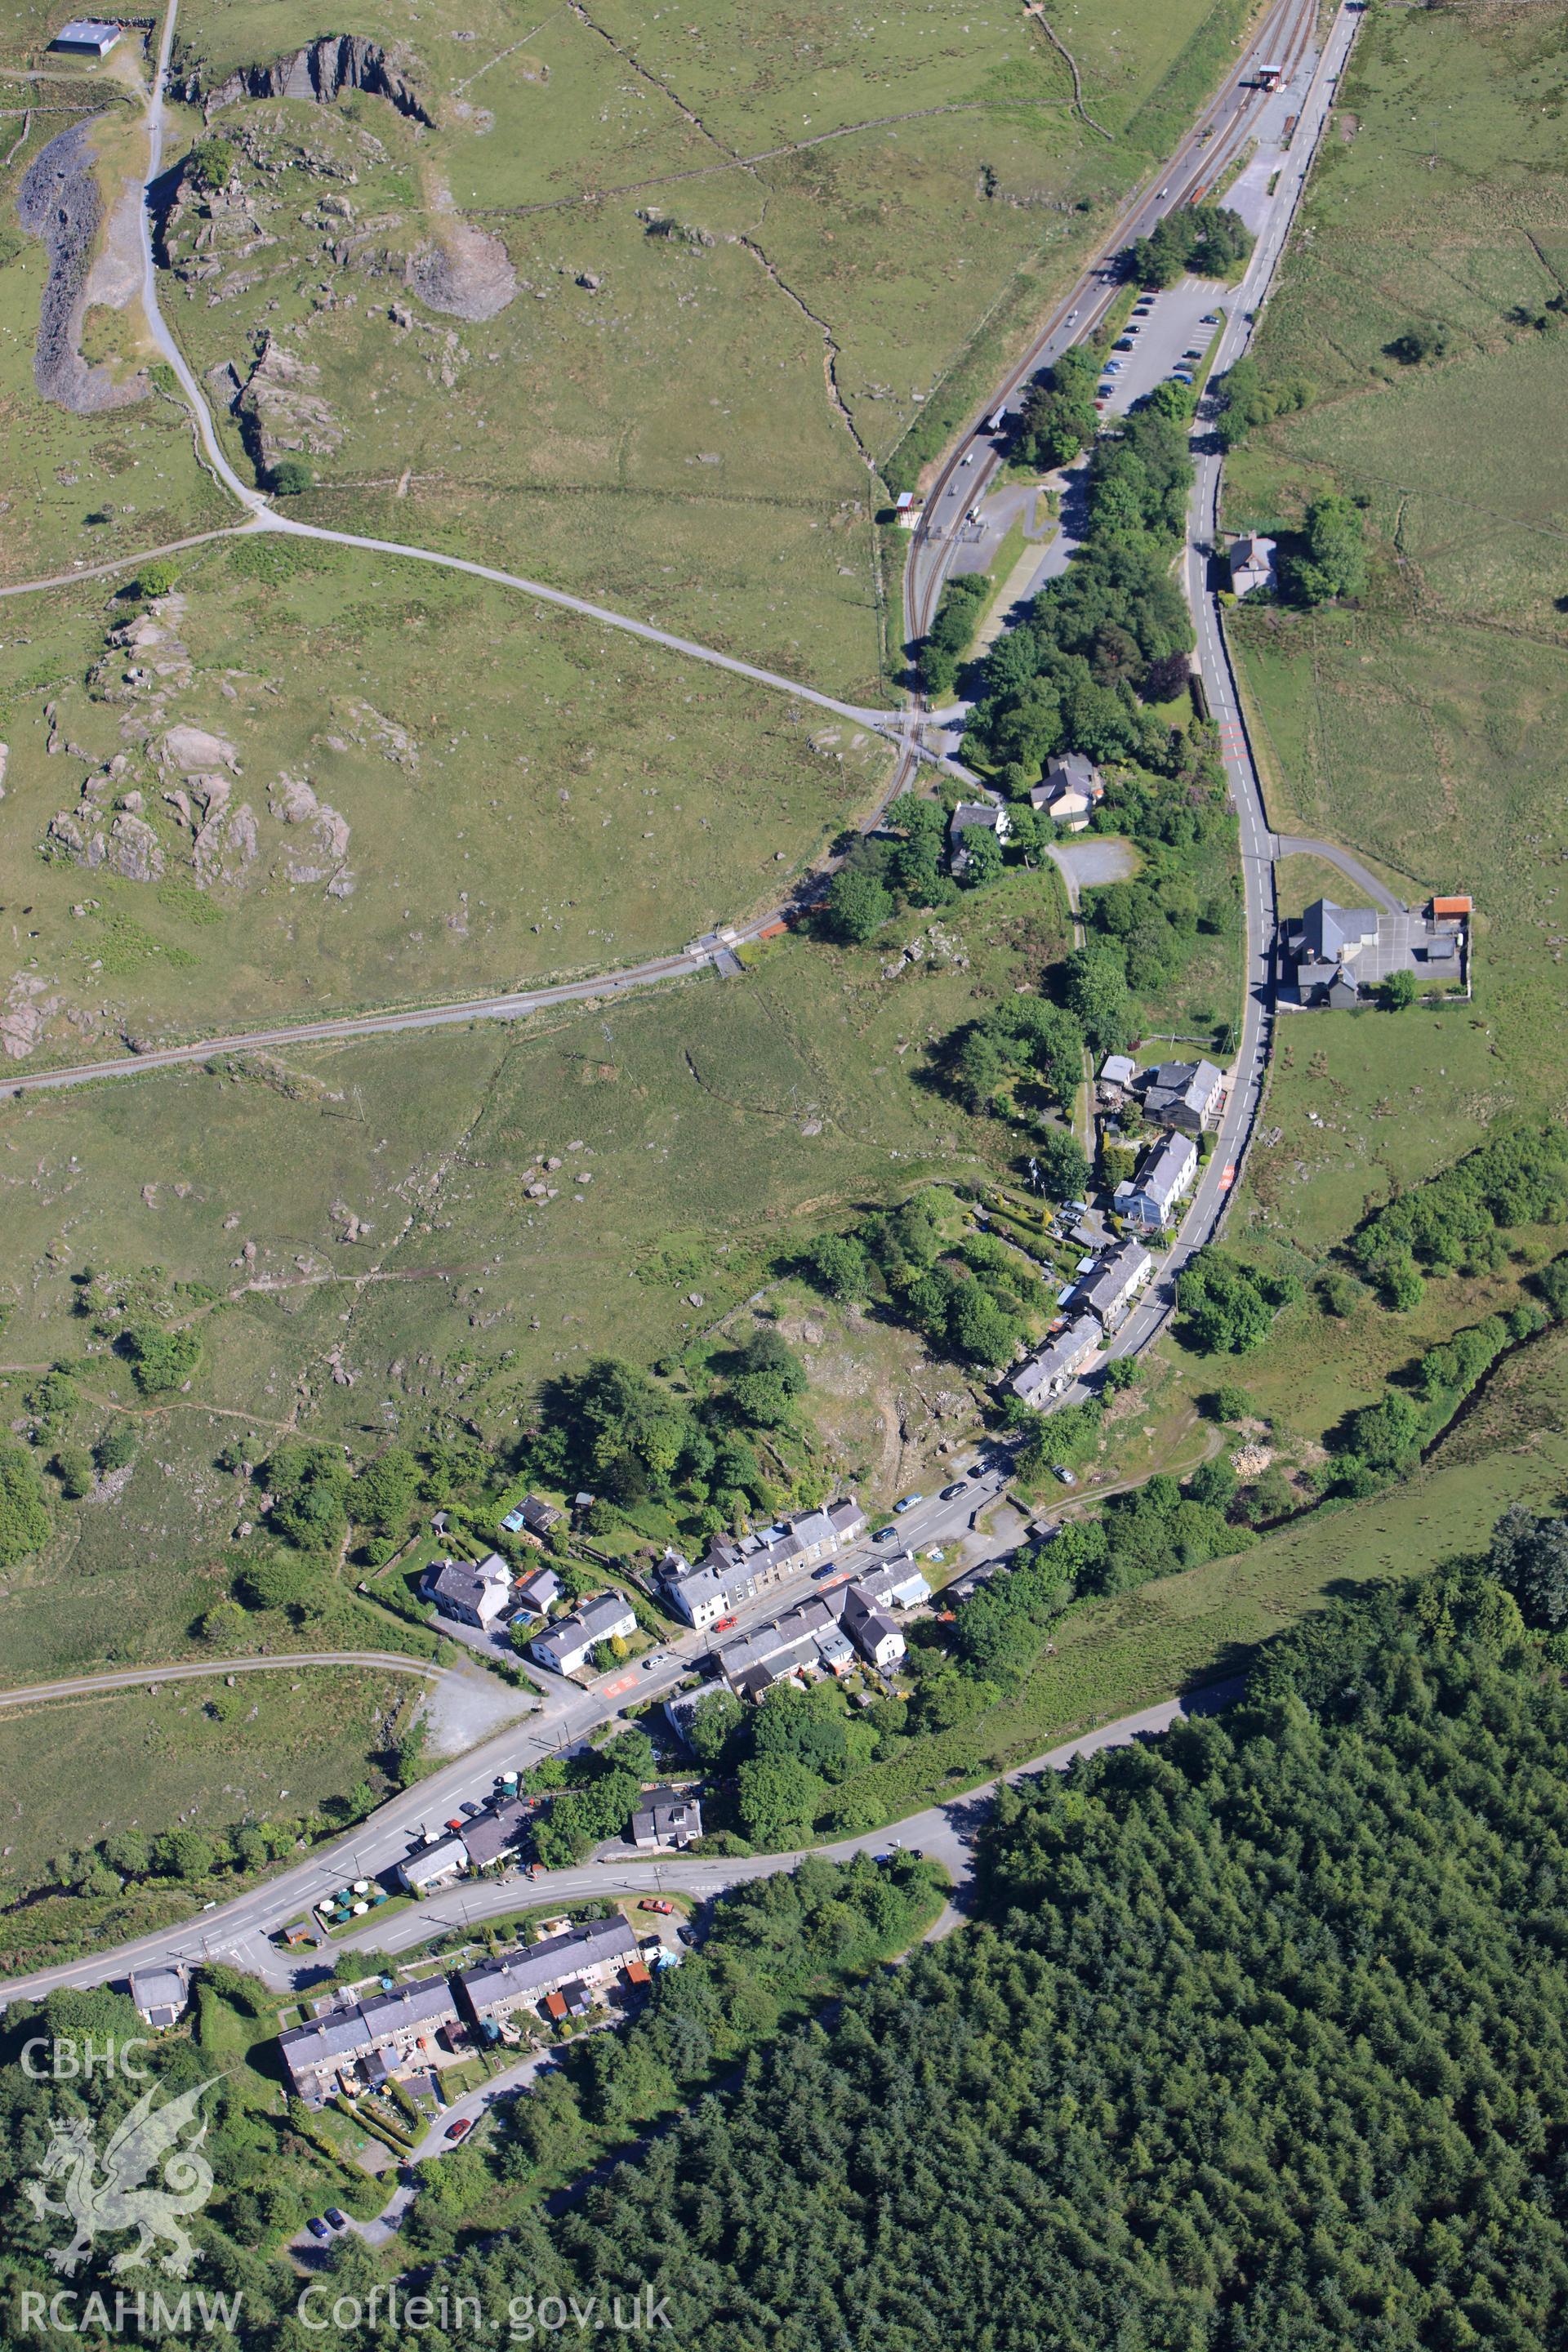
x=433, y=1865
x=871, y=1630
x=1056, y=1367
x=1184, y=1095
x=526, y=1979
x=1109, y=1291
x=737, y=1568
x=570, y=1641
x=491, y=1835
x=1252, y=564
x=379, y=2037
x=160, y=1996
x=475, y=1596
x=1334, y=952
x=666, y=1821
x=806, y=1642
x=535, y=1593
x=974, y=816
x=1071, y=788
x=1166, y=1177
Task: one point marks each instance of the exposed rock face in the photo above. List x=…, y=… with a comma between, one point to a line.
x=131, y=849
x=22, y=1021
x=466, y=273
x=335, y=62
x=320, y=857
x=226, y=846
x=58, y=202
x=192, y=749
x=280, y=412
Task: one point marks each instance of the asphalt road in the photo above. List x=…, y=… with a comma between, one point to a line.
x=1217, y=137
x=239, y=1931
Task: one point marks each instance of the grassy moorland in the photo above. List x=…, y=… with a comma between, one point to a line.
x=1421, y=301
x=508, y=795
x=196, y=1756
x=753, y=263
x=350, y=1237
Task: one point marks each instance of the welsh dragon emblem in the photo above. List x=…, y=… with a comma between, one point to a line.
x=117, y=2200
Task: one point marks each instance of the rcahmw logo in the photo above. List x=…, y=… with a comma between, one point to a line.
x=69, y=2313
x=116, y=2194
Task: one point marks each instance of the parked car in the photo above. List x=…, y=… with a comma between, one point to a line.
x=1210, y=318
x=1068, y=1478
x=659, y=1903
x=461, y=2128
x=687, y=1934
x=338, y=2219
x=470, y=1809
x=909, y=1501
x=722, y=1624
x=648, y=1664
x=1193, y=355
x=455, y=1822
x=952, y=1493
x=1125, y=344
x=884, y=1535
x=318, y=2229
x=1113, y=367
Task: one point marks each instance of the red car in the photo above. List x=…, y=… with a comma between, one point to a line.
x=649, y=1903
x=464, y=2125
x=722, y=1624
x=455, y=1822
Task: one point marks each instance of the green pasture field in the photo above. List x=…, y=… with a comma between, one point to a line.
x=719, y=1125
x=527, y=797
x=192, y=1754
x=1425, y=727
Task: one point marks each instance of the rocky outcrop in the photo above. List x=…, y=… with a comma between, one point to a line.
x=227, y=846
x=130, y=848
x=280, y=412
x=58, y=202
x=337, y=61
x=466, y=273
x=191, y=748
x=320, y=855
